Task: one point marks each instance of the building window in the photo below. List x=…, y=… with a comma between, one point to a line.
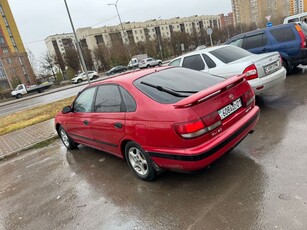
x=10, y=32
x=5, y=21
x=2, y=41
x=1, y=10
x=5, y=51
x=9, y=60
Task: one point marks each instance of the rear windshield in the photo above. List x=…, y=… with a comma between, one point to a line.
x=179, y=82
x=230, y=53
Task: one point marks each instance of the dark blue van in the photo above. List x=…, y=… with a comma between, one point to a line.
x=288, y=39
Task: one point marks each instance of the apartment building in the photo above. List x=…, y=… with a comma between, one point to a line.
x=132, y=32
x=58, y=44
x=15, y=66
x=143, y=31
x=256, y=11
x=298, y=6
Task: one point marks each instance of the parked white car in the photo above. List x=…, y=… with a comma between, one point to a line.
x=82, y=77
x=262, y=71
x=149, y=62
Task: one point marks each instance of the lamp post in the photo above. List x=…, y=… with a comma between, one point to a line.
x=77, y=44
x=121, y=25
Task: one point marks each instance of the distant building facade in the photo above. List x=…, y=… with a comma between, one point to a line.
x=15, y=66
x=256, y=11
x=143, y=31
x=298, y=6
x=58, y=44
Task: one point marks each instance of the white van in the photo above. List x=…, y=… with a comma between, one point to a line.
x=296, y=18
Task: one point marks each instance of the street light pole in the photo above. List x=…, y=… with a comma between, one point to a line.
x=121, y=25
x=78, y=45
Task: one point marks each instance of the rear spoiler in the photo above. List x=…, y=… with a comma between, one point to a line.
x=210, y=92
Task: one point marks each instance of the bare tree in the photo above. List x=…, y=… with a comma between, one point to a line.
x=72, y=59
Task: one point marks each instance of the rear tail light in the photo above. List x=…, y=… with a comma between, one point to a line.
x=198, y=127
x=248, y=98
x=302, y=35
x=251, y=72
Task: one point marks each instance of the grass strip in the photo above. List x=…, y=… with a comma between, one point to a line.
x=22, y=119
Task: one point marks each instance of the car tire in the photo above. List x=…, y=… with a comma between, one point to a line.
x=139, y=162
x=95, y=77
x=160, y=63
x=67, y=141
x=79, y=81
x=288, y=66
x=148, y=66
x=19, y=96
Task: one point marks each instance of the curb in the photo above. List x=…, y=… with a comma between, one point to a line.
x=25, y=148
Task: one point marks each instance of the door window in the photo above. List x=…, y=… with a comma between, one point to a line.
x=256, y=41
x=84, y=102
x=108, y=99
x=194, y=62
x=175, y=62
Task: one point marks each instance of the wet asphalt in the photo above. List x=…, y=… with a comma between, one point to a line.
x=261, y=184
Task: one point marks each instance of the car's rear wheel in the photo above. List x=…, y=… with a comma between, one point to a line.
x=148, y=66
x=160, y=63
x=95, y=77
x=79, y=81
x=67, y=141
x=288, y=66
x=139, y=162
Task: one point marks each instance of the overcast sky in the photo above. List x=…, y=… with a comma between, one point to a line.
x=38, y=19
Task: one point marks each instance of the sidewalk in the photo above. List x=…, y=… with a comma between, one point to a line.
x=14, y=142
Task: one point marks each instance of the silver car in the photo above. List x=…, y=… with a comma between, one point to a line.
x=82, y=77
x=262, y=71
x=149, y=62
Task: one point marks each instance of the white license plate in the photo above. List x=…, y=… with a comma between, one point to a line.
x=229, y=109
x=271, y=68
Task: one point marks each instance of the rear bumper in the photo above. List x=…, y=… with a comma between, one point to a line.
x=201, y=156
x=261, y=85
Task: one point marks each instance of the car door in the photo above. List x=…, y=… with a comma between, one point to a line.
x=108, y=119
x=78, y=122
x=257, y=43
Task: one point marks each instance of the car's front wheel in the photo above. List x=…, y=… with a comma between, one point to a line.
x=160, y=63
x=79, y=81
x=139, y=162
x=67, y=141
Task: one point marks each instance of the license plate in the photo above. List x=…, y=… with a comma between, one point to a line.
x=271, y=68
x=229, y=109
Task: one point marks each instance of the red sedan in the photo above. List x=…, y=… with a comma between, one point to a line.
x=161, y=118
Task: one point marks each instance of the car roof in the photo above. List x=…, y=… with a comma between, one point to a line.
x=261, y=30
x=205, y=50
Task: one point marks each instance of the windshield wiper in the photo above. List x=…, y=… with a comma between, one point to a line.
x=168, y=90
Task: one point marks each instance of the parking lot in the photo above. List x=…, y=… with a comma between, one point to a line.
x=261, y=184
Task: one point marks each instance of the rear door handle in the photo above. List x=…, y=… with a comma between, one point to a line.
x=85, y=122
x=118, y=125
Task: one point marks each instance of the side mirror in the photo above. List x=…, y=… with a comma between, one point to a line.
x=67, y=109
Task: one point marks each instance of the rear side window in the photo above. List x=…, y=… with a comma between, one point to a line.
x=209, y=61
x=194, y=62
x=230, y=53
x=283, y=34
x=179, y=82
x=256, y=41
